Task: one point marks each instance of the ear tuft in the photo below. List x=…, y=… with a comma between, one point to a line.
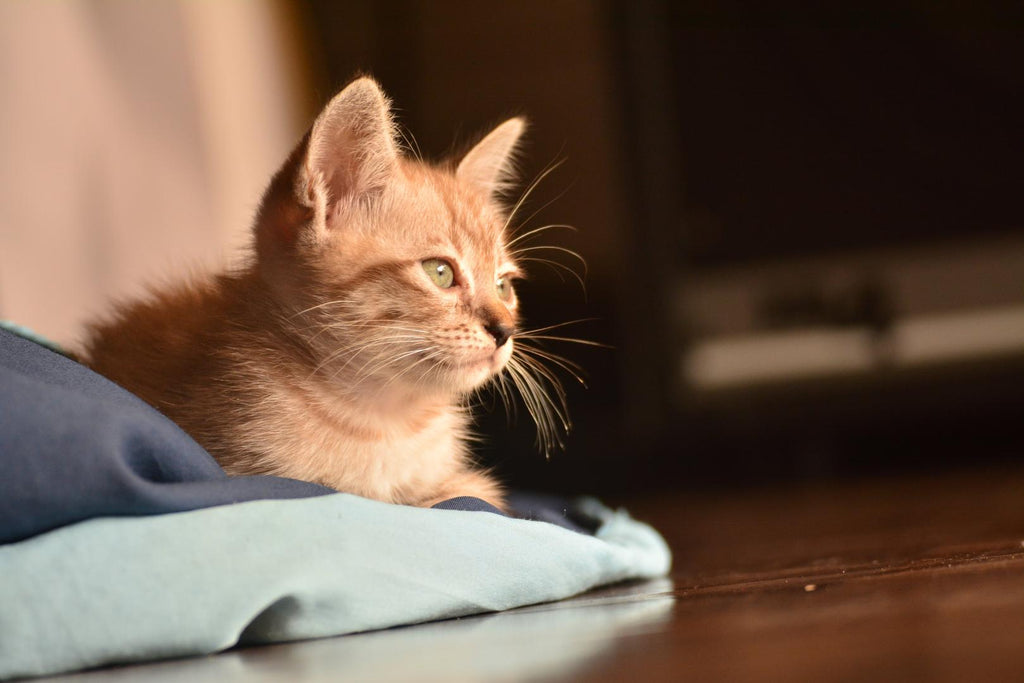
x=490, y=165
x=352, y=150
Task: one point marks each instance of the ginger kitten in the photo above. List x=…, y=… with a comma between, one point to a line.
x=379, y=297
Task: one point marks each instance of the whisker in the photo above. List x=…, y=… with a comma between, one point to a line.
x=555, y=326
x=547, y=374
x=569, y=366
x=324, y=304
x=390, y=360
x=344, y=325
x=571, y=340
x=536, y=410
x=553, y=265
x=358, y=347
x=543, y=206
x=519, y=238
x=506, y=398
x=428, y=357
x=542, y=407
x=361, y=345
x=570, y=252
x=526, y=193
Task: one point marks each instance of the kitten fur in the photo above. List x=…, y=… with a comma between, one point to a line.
x=332, y=356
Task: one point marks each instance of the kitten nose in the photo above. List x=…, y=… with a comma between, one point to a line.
x=501, y=331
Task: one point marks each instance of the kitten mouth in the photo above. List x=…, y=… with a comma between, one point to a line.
x=491, y=364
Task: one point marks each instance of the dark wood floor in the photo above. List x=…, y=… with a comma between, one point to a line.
x=904, y=579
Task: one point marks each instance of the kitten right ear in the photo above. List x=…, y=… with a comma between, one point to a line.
x=351, y=150
x=489, y=165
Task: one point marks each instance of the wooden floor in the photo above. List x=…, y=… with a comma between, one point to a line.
x=902, y=580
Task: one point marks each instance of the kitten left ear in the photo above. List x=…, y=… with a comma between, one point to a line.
x=490, y=165
x=351, y=148
x=349, y=153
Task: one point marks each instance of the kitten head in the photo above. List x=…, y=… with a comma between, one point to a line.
x=395, y=273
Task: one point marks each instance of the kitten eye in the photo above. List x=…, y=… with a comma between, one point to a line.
x=440, y=272
x=504, y=288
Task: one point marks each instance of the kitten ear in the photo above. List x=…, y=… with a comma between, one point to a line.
x=490, y=166
x=351, y=151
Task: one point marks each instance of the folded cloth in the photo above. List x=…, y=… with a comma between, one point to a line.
x=74, y=445
x=139, y=588
x=126, y=542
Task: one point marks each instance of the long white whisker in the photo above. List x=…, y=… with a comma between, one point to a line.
x=555, y=265
x=361, y=346
x=570, y=340
x=539, y=403
x=519, y=238
x=544, y=206
x=556, y=326
x=564, y=363
x=426, y=358
x=390, y=360
x=528, y=191
x=549, y=247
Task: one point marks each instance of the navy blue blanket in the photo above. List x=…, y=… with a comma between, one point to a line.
x=74, y=445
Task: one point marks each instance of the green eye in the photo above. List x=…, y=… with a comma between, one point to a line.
x=440, y=272
x=504, y=288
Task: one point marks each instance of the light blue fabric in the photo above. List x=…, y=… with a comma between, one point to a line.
x=138, y=588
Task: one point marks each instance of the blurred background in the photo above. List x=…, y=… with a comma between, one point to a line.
x=803, y=228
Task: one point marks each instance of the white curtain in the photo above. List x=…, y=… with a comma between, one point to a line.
x=135, y=139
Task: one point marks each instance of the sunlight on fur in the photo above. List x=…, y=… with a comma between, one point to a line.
x=378, y=300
